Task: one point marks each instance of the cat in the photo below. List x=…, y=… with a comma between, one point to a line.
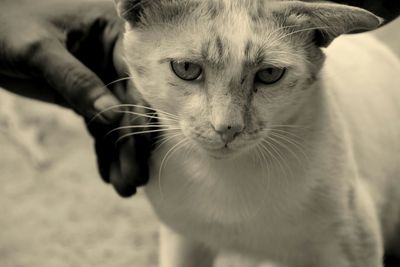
x=279, y=141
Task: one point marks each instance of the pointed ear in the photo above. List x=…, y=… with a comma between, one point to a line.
x=131, y=10
x=329, y=20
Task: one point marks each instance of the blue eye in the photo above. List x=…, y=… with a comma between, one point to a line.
x=270, y=75
x=186, y=71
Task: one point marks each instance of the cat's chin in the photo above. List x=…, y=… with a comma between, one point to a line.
x=223, y=153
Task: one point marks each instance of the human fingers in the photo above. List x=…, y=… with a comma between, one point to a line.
x=118, y=173
x=80, y=87
x=133, y=154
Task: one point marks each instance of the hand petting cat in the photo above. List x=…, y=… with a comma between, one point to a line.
x=62, y=52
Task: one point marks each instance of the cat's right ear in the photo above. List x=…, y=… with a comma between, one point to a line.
x=131, y=10
x=327, y=20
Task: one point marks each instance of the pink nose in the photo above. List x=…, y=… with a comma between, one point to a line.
x=228, y=132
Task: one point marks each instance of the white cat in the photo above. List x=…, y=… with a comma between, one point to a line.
x=268, y=150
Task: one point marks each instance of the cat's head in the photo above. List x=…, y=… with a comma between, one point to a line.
x=229, y=70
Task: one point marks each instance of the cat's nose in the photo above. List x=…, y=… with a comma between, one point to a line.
x=228, y=132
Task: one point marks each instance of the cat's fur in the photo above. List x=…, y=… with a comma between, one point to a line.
x=327, y=193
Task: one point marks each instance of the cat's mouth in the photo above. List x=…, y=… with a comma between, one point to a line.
x=221, y=151
x=217, y=149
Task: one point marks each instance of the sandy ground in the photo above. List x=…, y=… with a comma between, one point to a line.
x=62, y=215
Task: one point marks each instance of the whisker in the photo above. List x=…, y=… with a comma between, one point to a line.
x=152, y=109
x=265, y=144
x=263, y=160
x=303, y=30
x=143, y=115
x=278, y=159
x=143, y=132
x=134, y=6
x=280, y=29
x=147, y=108
x=287, y=126
x=160, y=136
x=164, y=161
x=131, y=127
x=287, y=148
x=167, y=114
x=119, y=80
x=165, y=140
x=292, y=135
x=267, y=174
x=296, y=144
x=284, y=160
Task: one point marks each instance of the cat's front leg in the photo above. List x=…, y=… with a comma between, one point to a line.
x=178, y=251
x=350, y=255
x=357, y=241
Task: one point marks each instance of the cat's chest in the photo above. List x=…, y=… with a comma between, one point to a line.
x=236, y=206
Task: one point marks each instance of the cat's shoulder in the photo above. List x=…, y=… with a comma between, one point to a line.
x=363, y=63
x=359, y=49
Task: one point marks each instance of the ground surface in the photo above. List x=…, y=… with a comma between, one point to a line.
x=62, y=215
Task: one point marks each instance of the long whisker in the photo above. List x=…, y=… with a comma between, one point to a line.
x=164, y=161
x=267, y=174
x=164, y=140
x=134, y=6
x=278, y=158
x=169, y=115
x=119, y=80
x=303, y=30
x=287, y=148
x=293, y=142
x=144, y=115
x=150, y=109
x=265, y=144
x=131, y=127
x=264, y=163
x=283, y=159
x=264, y=160
x=287, y=126
x=280, y=29
x=292, y=135
x=161, y=136
x=144, y=132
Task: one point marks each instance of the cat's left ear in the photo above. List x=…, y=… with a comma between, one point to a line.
x=328, y=21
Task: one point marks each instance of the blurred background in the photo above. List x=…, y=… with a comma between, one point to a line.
x=54, y=208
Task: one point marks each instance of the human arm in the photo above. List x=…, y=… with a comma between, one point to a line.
x=62, y=52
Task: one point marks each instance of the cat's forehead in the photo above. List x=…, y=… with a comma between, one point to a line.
x=221, y=33
x=177, y=11
x=225, y=32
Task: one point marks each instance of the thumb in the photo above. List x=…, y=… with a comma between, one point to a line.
x=80, y=87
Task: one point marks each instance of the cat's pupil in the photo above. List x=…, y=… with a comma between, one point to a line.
x=186, y=66
x=270, y=70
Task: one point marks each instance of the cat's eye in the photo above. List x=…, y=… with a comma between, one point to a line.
x=186, y=70
x=270, y=75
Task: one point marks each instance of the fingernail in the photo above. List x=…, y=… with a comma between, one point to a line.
x=105, y=102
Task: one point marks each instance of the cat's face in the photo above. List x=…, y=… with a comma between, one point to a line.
x=228, y=71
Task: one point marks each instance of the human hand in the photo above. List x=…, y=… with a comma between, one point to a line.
x=122, y=154
x=62, y=52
